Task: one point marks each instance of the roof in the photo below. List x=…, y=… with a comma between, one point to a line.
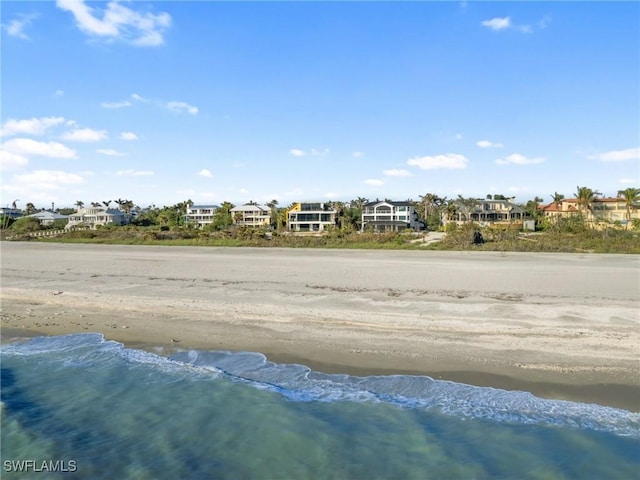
x=192, y=207
x=47, y=215
x=389, y=202
x=250, y=208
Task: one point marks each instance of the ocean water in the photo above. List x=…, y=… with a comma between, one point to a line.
x=78, y=406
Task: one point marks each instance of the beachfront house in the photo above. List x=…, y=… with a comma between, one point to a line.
x=93, y=217
x=47, y=217
x=390, y=216
x=311, y=217
x=251, y=215
x=200, y=215
x=607, y=210
x=487, y=212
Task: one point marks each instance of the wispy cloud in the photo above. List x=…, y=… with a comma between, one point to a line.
x=116, y=105
x=128, y=136
x=16, y=27
x=628, y=181
x=517, y=159
x=617, y=155
x=48, y=180
x=205, y=173
x=110, y=152
x=10, y=160
x=173, y=105
x=394, y=172
x=85, y=135
x=505, y=23
x=373, y=182
x=134, y=173
x=118, y=22
x=181, y=107
x=296, y=152
x=447, y=160
x=357, y=154
x=28, y=147
x=33, y=126
x=497, y=23
x=488, y=144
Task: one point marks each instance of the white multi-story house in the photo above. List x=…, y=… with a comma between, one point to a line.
x=200, y=215
x=251, y=215
x=311, y=217
x=93, y=217
x=389, y=216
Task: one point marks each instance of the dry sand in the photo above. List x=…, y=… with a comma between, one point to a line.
x=560, y=325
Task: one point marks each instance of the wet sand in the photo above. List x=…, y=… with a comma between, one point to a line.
x=559, y=325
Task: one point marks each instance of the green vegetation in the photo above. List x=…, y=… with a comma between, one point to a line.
x=568, y=235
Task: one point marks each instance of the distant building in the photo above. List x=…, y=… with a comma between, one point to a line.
x=389, y=216
x=311, y=217
x=487, y=212
x=93, y=217
x=603, y=210
x=251, y=215
x=201, y=215
x=47, y=217
x=13, y=213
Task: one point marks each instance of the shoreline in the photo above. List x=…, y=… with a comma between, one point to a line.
x=531, y=322
x=623, y=396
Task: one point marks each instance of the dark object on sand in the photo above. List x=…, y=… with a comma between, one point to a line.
x=477, y=238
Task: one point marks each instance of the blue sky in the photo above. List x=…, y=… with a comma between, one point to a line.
x=159, y=102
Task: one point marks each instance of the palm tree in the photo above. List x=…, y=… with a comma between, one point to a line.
x=106, y=203
x=79, y=204
x=465, y=206
x=273, y=213
x=586, y=197
x=631, y=197
x=30, y=208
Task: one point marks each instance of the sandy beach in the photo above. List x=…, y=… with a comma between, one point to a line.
x=563, y=326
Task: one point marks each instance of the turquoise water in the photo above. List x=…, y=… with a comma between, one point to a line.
x=104, y=411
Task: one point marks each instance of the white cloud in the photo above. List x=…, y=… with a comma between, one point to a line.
x=59, y=93
x=488, y=144
x=16, y=27
x=137, y=97
x=397, y=173
x=33, y=126
x=205, y=173
x=9, y=160
x=458, y=136
x=128, y=136
x=517, y=159
x=85, y=135
x=319, y=153
x=180, y=107
x=27, y=146
x=134, y=173
x=297, y=152
x=118, y=22
x=243, y=190
x=115, y=105
x=47, y=180
x=110, y=152
x=373, y=182
x=447, y=160
x=626, y=181
x=544, y=22
x=331, y=195
x=497, y=23
x=357, y=154
x=617, y=155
